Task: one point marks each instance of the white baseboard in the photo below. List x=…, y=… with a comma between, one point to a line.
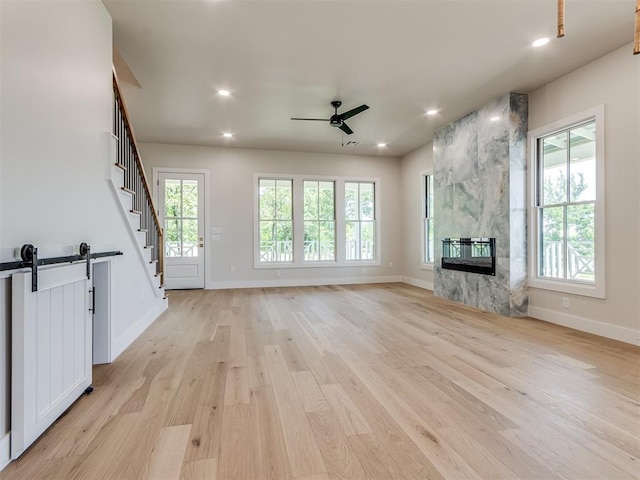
x=5, y=452
x=418, y=283
x=127, y=338
x=302, y=282
x=615, y=332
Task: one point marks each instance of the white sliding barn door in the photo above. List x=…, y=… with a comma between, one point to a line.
x=51, y=349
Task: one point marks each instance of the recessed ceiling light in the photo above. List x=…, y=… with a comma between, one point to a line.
x=540, y=42
x=382, y=145
x=494, y=119
x=432, y=112
x=224, y=93
x=227, y=135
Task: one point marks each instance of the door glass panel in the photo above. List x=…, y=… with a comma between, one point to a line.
x=190, y=198
x=189, y=237
x=172, y=198
x=172, y=247
x=181, y=218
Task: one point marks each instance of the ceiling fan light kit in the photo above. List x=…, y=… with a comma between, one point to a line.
x=337, y=119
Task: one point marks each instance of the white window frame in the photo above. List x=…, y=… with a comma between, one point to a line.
x=258, y=220
x=596, y=289
x=360, y=221
x=298, y=222
x=304, y=220
x=423, y=220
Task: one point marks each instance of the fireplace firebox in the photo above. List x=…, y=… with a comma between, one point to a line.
x=476, y=255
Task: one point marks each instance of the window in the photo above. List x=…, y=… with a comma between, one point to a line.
x=359, y=212
x=568, y=190
x=276, y=220
x=319, y=221
x=315, y=221
x=427, y=220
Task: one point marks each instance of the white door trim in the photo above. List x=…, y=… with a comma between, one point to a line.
x=207, y=226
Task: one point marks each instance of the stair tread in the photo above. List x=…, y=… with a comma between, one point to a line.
x=121, y=166
x=128, y=190
x=137, y=212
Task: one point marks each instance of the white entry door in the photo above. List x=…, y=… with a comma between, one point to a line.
x=51, y=349
x=181, y=206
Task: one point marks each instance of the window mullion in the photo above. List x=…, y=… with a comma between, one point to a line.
x=297, y=213
x=340, y=222
x=565, y=243
x=181, y=219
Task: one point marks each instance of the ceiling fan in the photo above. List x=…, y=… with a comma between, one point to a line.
x=337, y=120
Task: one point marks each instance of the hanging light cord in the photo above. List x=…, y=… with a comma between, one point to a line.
x=636, y=38
x=561, y=18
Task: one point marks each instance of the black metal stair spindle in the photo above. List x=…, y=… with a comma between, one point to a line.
x=156, y=247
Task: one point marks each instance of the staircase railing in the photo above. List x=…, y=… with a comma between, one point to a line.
x=135, y=181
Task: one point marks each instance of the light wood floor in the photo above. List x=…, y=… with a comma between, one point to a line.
x=368, y=381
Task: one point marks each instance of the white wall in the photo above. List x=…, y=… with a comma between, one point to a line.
x=56, y=102
x=612, y=80
x=231, y=207
x=413, y=165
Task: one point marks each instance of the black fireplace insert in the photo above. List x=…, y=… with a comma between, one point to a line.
x=476, y=255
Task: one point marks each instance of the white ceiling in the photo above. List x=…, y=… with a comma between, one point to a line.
x=283, y=59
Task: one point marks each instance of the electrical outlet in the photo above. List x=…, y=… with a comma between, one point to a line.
x=390, y=264
x=232, y=269
x=565, y=302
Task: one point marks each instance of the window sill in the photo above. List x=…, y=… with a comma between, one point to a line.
x=426, y=266
x=567, y=286
x=347, y=264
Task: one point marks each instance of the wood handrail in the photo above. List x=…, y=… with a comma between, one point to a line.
x=138, y=162
x=145, y=184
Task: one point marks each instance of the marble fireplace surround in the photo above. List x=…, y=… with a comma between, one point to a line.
x=480, y=191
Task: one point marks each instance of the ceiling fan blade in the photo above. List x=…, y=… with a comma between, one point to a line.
x=311, y=119
x=354, y=111
x=345, y=128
